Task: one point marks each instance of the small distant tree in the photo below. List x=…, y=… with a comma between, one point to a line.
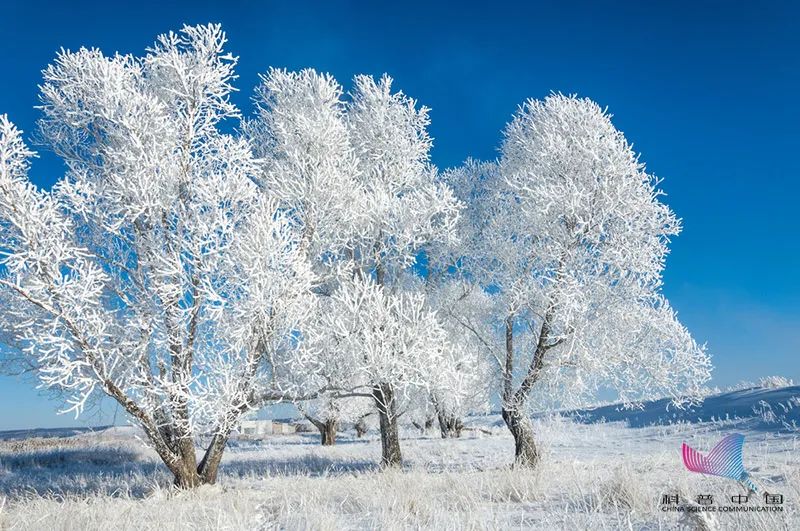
x=327, y=413
x=460, y=388
x=154, y=271
x=568, y=232
x=361, y=425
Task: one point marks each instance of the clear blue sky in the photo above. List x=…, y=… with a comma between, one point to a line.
x=707, y=91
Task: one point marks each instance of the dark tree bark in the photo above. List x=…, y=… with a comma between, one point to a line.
x=327, y=429
x=361, y=426
x=186, y=476
x=328, y=433
x=386, y=403
x=450, y=425
x=209, y=465
x=519, y=424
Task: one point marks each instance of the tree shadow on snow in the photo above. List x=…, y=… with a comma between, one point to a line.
x=63, y=472
x=308, y=465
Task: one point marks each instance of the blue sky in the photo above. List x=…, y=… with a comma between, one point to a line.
x=707, y=91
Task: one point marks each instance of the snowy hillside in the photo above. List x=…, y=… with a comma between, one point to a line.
x=762, y=409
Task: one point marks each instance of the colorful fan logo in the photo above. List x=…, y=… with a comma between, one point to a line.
x=724, y=460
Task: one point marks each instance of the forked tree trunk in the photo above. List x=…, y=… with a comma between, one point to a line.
x=520, y=426
x=175, y=446
x=450, y=426
x=526, y=455
x=327, y=429
x=189, y=474
x=387, y=415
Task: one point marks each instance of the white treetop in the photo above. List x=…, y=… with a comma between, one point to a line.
x=154, y=271
x=355, y=173
x=405, y=205
x=302, y=138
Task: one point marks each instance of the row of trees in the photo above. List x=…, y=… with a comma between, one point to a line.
x=316, y=255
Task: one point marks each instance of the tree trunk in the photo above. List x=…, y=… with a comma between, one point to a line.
x=209, y=465
x=361, y=427
x=390, y=434
x=450, y=426
x=520, y=426
x=186, y=475
x=327, y=431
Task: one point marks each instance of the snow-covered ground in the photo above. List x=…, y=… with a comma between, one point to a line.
x=607, y=469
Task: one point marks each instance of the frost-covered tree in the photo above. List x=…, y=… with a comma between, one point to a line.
x=308, y=164
x=379, y=344
x=328, y=412
x=154, y=271
x=406, y=206
x=356, y=175
x=463, y=382
x=568, y=232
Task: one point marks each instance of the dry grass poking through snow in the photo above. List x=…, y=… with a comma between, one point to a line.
x=592, y=477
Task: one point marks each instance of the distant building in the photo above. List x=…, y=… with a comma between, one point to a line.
x=250, y=427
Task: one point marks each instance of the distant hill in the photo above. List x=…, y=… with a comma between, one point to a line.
x=766, y=409
x=49, y=432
